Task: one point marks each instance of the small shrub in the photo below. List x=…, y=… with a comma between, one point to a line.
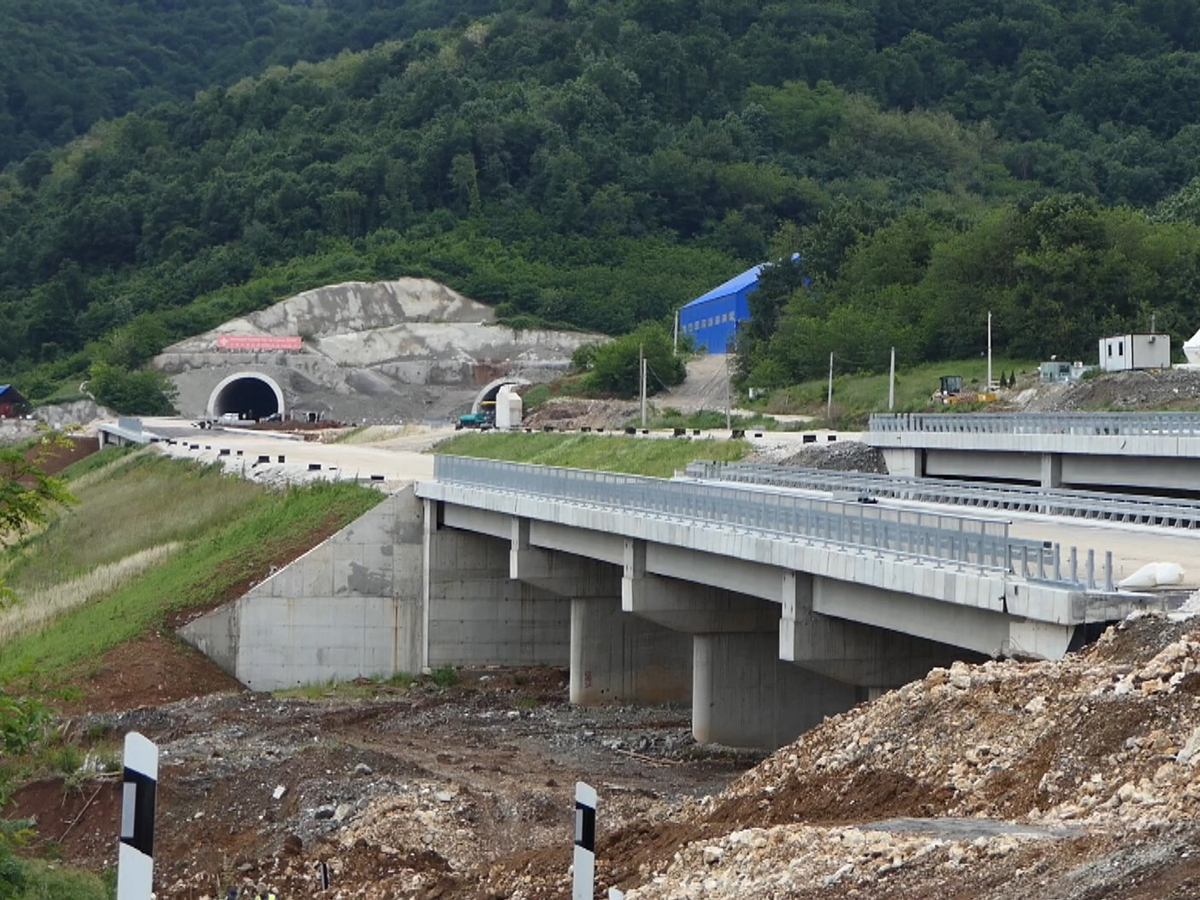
x=444, y=677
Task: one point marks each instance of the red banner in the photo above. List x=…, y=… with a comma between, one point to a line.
x=258, y=342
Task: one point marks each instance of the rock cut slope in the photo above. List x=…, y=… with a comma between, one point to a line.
x=377, y=352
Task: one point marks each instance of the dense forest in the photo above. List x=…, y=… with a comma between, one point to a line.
x=597, y=163
x=68, y=64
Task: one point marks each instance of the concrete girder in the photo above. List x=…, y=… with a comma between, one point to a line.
x=565, y=574
x=863, y=655
x=972, y=628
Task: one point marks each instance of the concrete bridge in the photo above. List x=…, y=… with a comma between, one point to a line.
x=766, y=611
x=1128, y=450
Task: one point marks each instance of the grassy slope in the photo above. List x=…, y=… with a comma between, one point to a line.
x=155, y=500
x=230, y=531
x=855, y=396
x=637, y=456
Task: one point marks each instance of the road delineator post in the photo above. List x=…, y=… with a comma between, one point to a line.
x=583, y=883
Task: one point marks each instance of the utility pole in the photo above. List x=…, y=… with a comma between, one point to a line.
x=829, y=400
x=675, y=340
x=892, y=383
x=989, y=380
x=728, y=411
x=642, y=366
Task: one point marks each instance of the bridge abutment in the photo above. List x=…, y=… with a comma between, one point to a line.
x=904, y=461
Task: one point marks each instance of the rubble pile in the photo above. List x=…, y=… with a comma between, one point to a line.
x=840, y=456
x=1008, y=765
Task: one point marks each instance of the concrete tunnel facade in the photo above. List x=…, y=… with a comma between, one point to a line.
x=489, y=391
x=250, y=394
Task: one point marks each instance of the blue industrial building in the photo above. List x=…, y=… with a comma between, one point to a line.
x=712, y=319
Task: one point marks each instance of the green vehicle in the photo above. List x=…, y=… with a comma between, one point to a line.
x=475, y=420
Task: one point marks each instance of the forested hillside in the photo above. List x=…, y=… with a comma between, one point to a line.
x=69, y=63
x=597, y=163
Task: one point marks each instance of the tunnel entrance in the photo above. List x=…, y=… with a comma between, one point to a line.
x=250, y=395
x=486, y=398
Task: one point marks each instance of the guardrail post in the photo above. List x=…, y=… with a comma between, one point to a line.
x=1074, y=558
x=1042, y=562
x=1108, y=572
x=1091, y=570
x=1057, y=563
x=1024, y=560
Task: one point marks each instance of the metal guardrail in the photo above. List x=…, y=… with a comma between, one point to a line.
x=1090, y=424
x=1088, y=505
x=940, y=539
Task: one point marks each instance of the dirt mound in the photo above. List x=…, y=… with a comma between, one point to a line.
x=842, y=456
x=568, y=414
x=1150, y=389
x=52, y=458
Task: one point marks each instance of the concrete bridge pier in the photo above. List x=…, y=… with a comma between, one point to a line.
x=476, y=614
x=1052, y=470
x=619, y=658
x=614, y=657
x=874, y=659
x=744, y=696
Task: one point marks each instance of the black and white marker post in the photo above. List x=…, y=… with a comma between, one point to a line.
x=584, y=882
x=135, y=862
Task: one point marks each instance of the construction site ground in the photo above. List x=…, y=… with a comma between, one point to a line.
x=1077, y=779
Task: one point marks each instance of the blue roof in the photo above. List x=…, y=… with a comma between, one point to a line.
x=732, y=286
x=4, y=387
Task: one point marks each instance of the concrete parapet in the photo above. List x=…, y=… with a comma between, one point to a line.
x=619, y=658
x=743, y=696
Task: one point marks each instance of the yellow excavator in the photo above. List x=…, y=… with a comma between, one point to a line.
x=950, y=392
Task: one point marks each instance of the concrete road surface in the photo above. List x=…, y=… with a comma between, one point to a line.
x=302, y=460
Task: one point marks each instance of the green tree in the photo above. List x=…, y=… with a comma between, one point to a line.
x=614, y=366
x=144, y=392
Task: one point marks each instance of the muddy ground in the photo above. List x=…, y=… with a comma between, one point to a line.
x=1077, y=780
x=421, y=791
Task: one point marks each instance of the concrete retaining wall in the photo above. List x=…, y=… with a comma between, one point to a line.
x=348, y=608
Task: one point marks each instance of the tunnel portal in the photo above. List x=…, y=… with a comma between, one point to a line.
x=249, y=394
